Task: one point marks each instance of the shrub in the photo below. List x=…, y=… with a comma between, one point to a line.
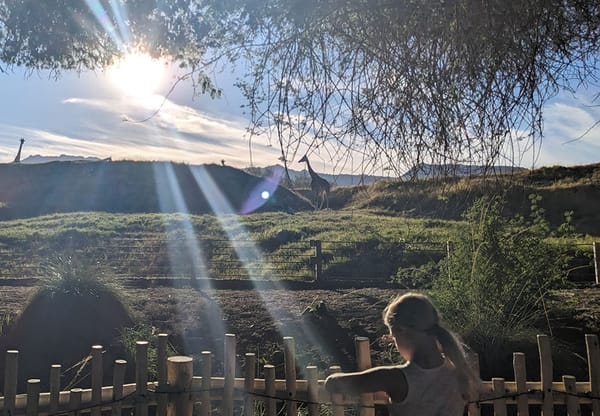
x=72, y=310
x=493, y=286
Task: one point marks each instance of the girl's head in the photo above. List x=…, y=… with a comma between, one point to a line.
x=411, y=311
x=411, y=318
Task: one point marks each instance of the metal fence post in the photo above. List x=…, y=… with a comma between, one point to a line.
x=317, y=260
x=597, y=261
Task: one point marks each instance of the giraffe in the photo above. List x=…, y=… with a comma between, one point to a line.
x=319, y=186
x=18, y=156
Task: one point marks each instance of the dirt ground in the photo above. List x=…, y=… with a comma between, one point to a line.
x=322, y=322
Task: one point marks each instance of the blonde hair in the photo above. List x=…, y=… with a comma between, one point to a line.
x=417, y=312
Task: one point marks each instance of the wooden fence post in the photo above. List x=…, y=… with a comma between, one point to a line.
x=141, y=378
x=229, y=369
x=317, y=260
x=206, y=383
x=179, y=376
x=363, y=361
x=597, y=261
x=161, y=374
x=161, y=360
x=250, y=374
x=289, y=352
x=521, y=381
x=75, y=401
x=10, y=381
x=54, y=387
x=336, y=399
x=546, y=369
x=573, y=407
x=474, y=409
x=118, y=381
x=313, y=390
x=593, y=356
x=499, y=390
x=96, y=379
x=33, y=396
x=271, y=404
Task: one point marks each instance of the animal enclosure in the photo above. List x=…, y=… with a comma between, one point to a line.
x=179, y=389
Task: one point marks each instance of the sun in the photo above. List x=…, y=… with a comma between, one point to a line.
x=137, y=74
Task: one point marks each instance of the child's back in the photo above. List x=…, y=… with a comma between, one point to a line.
x=431, y=392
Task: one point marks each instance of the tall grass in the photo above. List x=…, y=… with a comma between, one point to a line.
x=495, y=284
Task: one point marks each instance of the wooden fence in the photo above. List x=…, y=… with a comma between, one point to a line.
x=177, y=391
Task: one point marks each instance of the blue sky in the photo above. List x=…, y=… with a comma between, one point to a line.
x=83, y=114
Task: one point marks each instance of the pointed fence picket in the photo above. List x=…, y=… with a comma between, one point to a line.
x=177, y=392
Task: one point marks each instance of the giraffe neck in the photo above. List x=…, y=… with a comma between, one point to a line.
x=310, y=169
x=18, y=157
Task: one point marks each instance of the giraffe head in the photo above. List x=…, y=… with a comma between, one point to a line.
x=304, y=159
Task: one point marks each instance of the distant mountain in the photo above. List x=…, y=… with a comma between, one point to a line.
x=424, y=171
x=341, y=179
x=35, y=159
x=427, y=171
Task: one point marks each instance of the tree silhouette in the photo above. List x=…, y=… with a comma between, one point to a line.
x=398, y=82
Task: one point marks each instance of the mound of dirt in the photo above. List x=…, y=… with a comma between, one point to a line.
x=60, y=328
x=138, y=187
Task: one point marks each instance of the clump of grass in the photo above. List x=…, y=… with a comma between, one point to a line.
x=76, y=274
x=6, y=321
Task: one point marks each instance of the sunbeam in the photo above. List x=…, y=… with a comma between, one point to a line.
x=121, y=17
x=247, y=254
x=186, y=250
x=103, y=18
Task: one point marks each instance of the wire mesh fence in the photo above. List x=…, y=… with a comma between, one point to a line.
x=372, y=260
x=217, y=258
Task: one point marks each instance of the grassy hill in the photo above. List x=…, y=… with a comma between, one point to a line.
x=111, y=210
x=562, y=189
x=152, y=187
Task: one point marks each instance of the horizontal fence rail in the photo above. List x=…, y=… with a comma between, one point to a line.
x=177, y=391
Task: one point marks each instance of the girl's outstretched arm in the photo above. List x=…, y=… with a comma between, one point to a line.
x=388, y=379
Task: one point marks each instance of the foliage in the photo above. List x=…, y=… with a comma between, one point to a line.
x=494, y=285
x=6, y=320
x=408, y=82
x=143, y=332
x=76, y=274
x=401, y=82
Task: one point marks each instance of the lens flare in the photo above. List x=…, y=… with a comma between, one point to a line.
x=261, y=194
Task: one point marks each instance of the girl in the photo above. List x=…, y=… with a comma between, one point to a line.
x=436, y=379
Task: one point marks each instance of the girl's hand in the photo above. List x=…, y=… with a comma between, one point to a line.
x=332, y=383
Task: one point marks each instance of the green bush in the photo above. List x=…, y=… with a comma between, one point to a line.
x=493, y=286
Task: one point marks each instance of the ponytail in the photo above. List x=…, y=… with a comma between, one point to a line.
x=469, y=382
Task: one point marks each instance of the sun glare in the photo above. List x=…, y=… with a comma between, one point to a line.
x=137, y=75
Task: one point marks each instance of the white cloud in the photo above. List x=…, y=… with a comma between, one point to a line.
x=177, y=132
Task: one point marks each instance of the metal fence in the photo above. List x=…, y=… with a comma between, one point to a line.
x=218, y=259
x=152, y=257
